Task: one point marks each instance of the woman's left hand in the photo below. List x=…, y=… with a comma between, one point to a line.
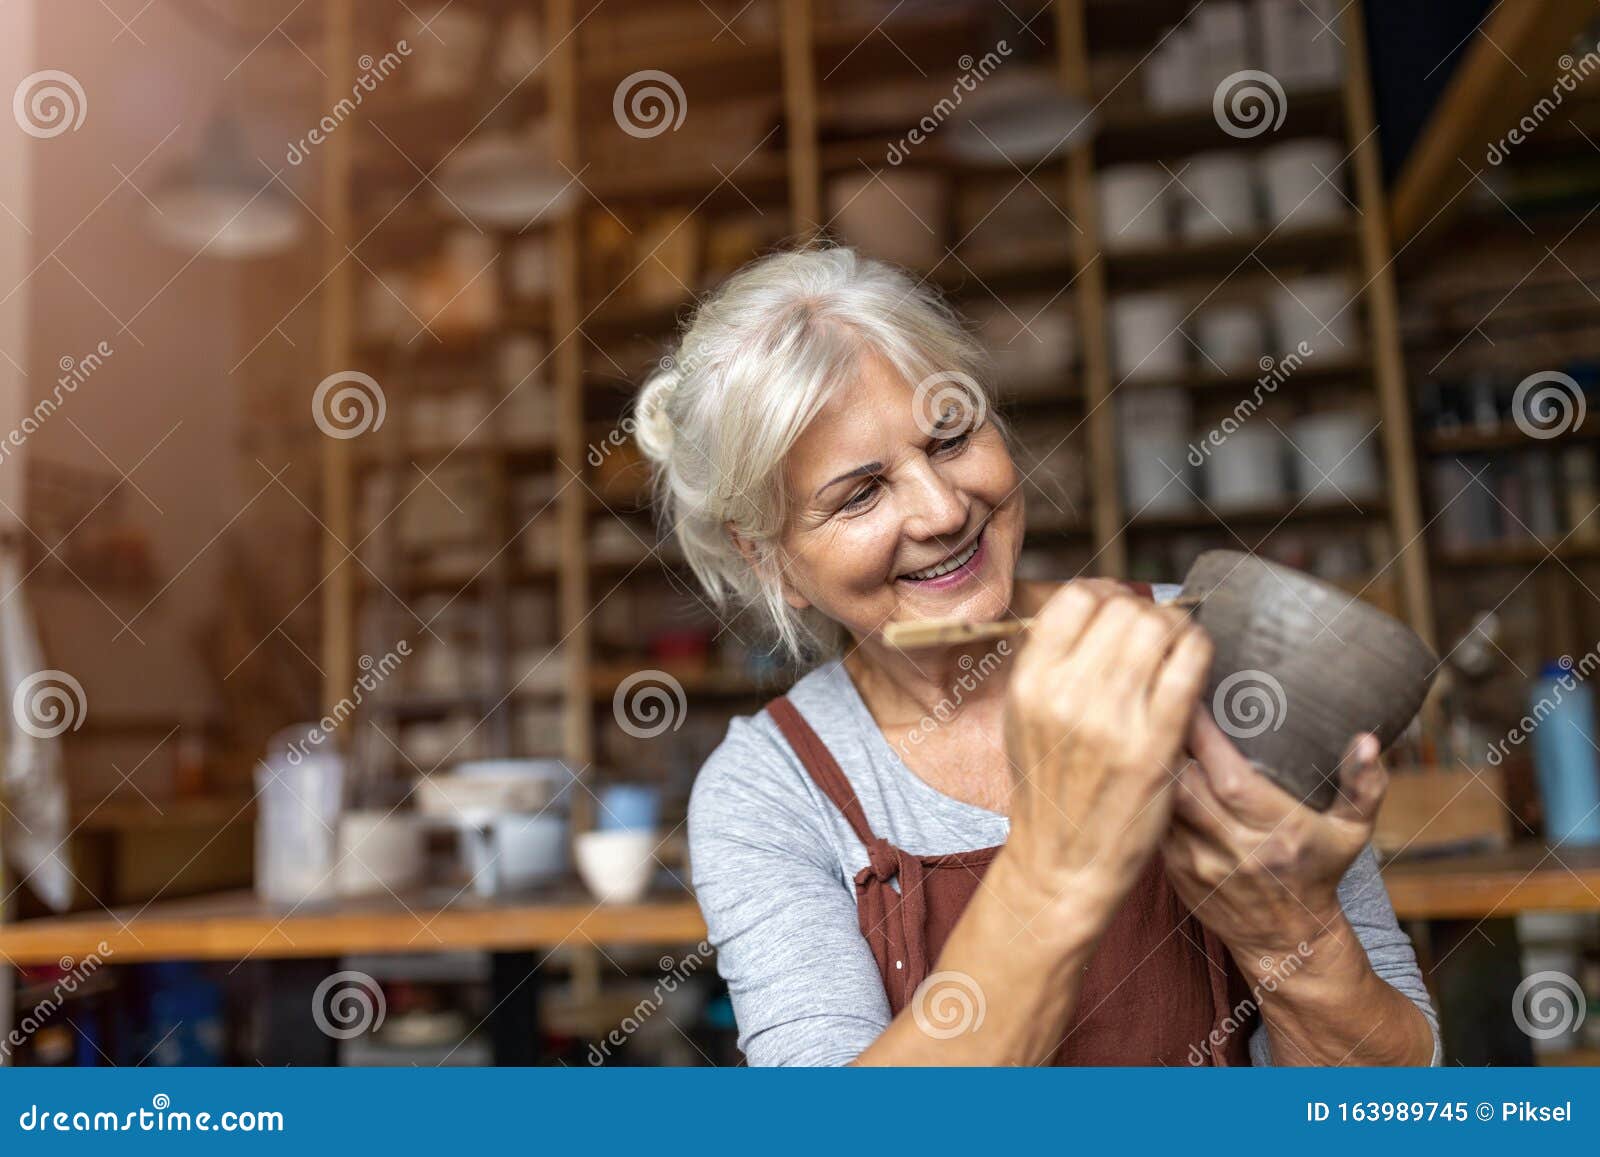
x=1258, y=868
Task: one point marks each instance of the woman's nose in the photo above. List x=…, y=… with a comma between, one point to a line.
x=937, y=506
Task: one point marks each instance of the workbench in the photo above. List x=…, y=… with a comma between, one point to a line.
x=237, y=926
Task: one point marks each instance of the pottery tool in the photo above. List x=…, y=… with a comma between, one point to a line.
x=920, y=636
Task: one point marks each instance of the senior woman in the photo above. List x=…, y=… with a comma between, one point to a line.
x=1073, y=864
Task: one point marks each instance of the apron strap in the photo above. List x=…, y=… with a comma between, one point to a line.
x=822, y=767
x=893, y=922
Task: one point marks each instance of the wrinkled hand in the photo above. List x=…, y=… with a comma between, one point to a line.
x=1096, y=711
x=1259, y=869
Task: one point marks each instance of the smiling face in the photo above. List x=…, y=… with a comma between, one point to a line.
x=887, y=524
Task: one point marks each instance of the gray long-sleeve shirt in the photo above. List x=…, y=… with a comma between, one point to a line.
x=774, y=863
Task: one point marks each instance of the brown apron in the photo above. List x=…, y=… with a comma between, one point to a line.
x=1157, y=986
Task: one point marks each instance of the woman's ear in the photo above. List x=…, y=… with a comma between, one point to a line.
x=753, y=558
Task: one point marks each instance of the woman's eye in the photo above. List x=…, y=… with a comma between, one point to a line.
x=951, y=445
x=861, y=497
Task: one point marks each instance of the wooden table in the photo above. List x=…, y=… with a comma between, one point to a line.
x=237, y=926
x=1523, y=878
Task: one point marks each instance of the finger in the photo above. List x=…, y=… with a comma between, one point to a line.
x=1196, y=807
x=1068, y=613
x=1058, y=625
x=1120, y=655
x=1240, y=788
x=1363, y=781
x=1175, y=688
x=1193, y=856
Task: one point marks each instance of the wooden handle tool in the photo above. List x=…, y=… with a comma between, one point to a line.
x=921, y=636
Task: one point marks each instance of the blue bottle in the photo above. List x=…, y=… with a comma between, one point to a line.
x=1561, y=708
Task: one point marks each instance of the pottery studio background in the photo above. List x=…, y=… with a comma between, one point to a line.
x=318, y=325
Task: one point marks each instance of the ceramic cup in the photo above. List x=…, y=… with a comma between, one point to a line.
x=617, y=866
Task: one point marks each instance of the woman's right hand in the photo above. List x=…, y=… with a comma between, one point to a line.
x=1097, y=709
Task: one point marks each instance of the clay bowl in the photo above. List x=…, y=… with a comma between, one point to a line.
x=1301, y=668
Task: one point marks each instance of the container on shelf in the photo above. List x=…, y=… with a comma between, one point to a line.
x=1133, y=202
x=1318, y=311
x=625, y=807
x=1216, y=196
x=1335, y=456
x=451, y=40
x=1174, y=74
x=299, y=791
x=1247, y=469
x=1301, y=183
x=1146, y=336
x=1153, y=431
x=515, y=851
x=894, y=216
x=381, y=853
x=617, y=866
x=1578, y=475
x=1299, y=44
x=1232, y=338
x=1564, y=756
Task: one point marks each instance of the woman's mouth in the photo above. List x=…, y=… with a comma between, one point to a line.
x=953, y=569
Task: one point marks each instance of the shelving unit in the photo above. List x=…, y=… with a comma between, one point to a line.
x=660, y=218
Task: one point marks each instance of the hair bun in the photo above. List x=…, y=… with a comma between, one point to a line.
x=652, y=427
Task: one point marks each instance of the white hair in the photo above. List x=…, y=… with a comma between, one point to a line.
x=754, y=365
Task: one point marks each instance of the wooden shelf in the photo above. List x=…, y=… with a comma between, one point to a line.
x=1144, y=134
x=605, y=678
x=238, y=926
x=1519, y=879
x=1313, y=372
x=1261, y=516
x=1508, y=437
x=1519, y=552
x=1243, y=253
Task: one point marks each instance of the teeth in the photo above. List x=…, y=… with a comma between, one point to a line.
x=948, y=565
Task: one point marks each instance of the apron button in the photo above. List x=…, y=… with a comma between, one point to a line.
x=898, y=965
